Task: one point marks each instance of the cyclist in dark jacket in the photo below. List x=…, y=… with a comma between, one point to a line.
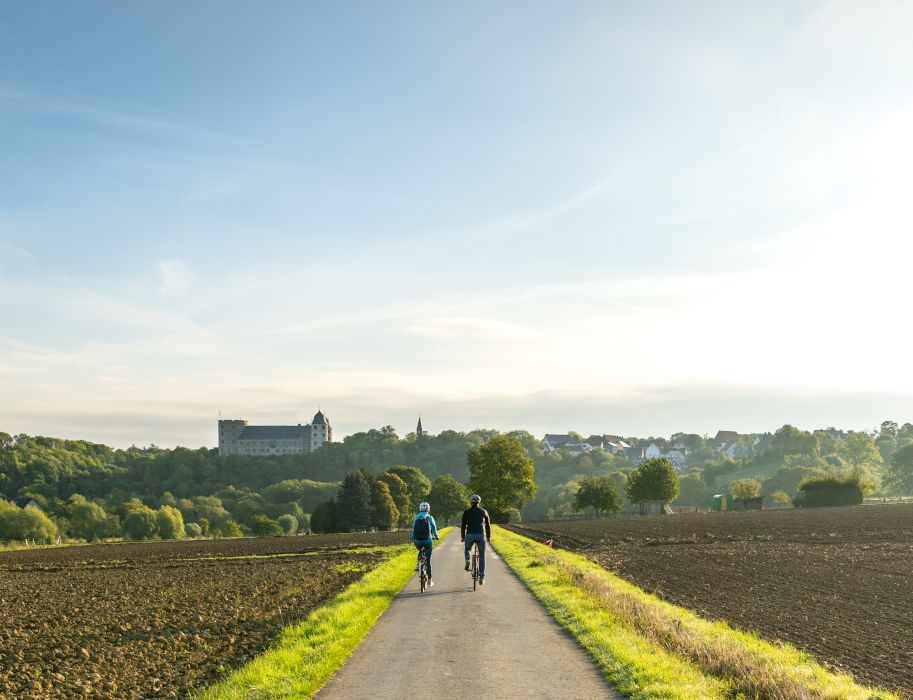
x=476, y=528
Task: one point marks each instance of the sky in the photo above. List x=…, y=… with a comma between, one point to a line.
x=625, y=218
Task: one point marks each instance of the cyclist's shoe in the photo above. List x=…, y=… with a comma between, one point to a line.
x=416, y=567
x=430, y=583
x=467, y=566
x=481, y=581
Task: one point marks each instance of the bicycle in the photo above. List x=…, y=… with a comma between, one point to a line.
x=422, y=571
x=475, y=564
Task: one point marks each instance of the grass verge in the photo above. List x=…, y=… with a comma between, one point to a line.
x=306, y=655
x=651, y=649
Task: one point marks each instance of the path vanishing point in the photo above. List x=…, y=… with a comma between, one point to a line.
x=451, y=642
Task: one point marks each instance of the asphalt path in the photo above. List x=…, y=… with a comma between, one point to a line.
x=451, y=642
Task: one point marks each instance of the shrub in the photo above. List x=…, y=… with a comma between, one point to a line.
x=830, y=491
x=781, y=498
x=323, y=519
x=140, y=523
x=264, y=526
x=288, y=523
x=744, y=489
x=88, y=521
x=230, y=529
x=170, y=523
x=21, y=523
x=193, y=530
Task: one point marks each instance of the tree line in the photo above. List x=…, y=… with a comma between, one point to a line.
x=340, y=482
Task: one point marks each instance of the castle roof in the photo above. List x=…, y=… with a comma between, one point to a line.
x=319, y=419
x=273, y=432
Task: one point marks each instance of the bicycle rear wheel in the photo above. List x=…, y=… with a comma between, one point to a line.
x=475, y=568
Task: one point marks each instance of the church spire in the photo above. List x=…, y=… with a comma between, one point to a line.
x=418, y=430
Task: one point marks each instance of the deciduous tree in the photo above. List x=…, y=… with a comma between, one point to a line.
x=448, y=497
x=744, y=489
x=140, y=523
x=654, y=480
x=170, y=523
x=598, y=493
x=88, y=521
x=502, y=473
x=898, y=476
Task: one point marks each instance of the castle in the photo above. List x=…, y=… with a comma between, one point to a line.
x=237, y=437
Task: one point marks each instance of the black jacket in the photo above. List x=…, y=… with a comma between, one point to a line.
x=473, y=520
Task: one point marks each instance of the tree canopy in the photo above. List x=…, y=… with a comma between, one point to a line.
x=502, y=473
x=599, y=493
x=654, y=480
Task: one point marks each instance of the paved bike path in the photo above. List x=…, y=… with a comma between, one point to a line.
x=452, y=642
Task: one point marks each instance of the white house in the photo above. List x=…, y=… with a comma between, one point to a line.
x=652, y=451
x=732, y=449
x=678, y=458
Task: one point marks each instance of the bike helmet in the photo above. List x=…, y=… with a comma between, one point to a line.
x=424, y=506
x=475, y=498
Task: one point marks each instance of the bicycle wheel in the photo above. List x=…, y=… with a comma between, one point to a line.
x=422, y=576
x=475, y=567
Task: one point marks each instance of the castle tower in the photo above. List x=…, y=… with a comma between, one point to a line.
x=229, y=432
x=321, y=431
x=418, y=429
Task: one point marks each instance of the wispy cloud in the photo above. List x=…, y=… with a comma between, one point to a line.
x=13, y=254
x=110, y=118
x=175, y=276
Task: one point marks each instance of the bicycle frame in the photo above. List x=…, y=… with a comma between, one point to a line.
x=422, y=571
x=475, y=565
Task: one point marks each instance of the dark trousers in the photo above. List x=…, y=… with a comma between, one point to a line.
x=427, y=545
x=480, y=539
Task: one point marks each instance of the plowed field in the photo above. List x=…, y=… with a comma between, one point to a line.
x=158, y=619
x=837, y=582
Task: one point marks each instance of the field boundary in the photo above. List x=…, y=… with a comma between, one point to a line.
x=649, y=648
x=306, y=655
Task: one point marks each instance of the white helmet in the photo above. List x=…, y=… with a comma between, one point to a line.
x=424, y=506
x=475, y=498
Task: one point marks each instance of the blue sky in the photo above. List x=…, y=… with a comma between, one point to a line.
x=607, y=217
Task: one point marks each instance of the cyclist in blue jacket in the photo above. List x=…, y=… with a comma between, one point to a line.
x=423, y=530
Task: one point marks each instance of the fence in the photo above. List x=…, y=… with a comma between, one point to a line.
x=594, y=516
x=870, y=501
x=886, y=500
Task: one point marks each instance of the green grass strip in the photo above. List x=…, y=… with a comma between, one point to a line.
x=635, y=666
x=651, y=649
x=306, y=655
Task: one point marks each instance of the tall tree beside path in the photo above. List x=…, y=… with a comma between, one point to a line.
x=898, y=475
x=501, y=472
x=447, y=498
x=654, y=480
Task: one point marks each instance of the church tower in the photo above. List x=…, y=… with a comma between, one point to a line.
x=418, y=429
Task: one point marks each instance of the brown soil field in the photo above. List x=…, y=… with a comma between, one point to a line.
x=159, y=619
x=835, y=582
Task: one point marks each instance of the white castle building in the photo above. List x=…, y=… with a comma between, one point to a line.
x=237, y=437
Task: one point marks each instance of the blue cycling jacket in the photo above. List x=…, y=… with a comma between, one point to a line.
x=431, y=523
